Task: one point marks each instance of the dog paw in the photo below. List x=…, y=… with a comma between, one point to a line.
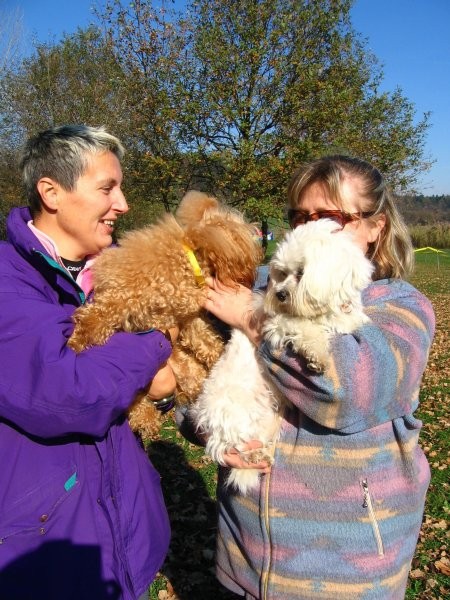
x=255, y=456
x=75, y=343
x=275, y=335
x=316, y=363
x=315, y=366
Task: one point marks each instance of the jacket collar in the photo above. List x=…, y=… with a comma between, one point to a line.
x=31, y=248
x=20, y=235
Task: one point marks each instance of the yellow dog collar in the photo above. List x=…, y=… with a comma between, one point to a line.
x=195, y=266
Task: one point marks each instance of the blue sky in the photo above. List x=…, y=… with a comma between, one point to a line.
x=409, y=37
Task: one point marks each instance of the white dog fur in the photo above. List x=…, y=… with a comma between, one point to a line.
x=315, y=281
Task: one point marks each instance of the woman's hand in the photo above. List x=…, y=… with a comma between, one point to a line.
x=234, y=306
x=163, y=383
x=236, y=459
x=174, y=332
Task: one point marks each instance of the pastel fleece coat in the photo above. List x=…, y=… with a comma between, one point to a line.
x=340, y=512
x=81, y=510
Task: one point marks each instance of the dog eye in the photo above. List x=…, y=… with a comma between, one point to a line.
x=278, y=275
x=299, y=273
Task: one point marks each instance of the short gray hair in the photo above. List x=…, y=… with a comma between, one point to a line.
x=62, y=153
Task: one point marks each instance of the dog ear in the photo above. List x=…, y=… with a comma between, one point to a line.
x=345, y=274
x=227, y=245
x=316, y=287
x=221, y=238
x=193, y=207
x=357, y=278
x=335, y=270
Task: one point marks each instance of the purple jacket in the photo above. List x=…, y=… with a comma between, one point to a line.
x=81, y=510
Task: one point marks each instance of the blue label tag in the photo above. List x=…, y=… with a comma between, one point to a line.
x=70, y=482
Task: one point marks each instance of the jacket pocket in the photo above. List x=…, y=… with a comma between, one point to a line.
x=33, y=513
x=367, y=503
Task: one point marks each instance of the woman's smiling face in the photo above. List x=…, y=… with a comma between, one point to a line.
x=81, y=221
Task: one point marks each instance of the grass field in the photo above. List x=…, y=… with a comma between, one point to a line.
x=189, y=478
x=430, y=573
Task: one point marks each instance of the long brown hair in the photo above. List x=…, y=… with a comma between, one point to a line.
x=392, y=253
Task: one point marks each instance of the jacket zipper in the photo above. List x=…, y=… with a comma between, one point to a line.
x=121, y=549
x=268, y=476
x=367, y=503
x=57, y=267
x=265, y=574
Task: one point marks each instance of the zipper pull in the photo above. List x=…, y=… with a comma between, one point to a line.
x=365, y=488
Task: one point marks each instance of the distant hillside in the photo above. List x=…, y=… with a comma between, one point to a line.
x=416, y=210
x=424, y=210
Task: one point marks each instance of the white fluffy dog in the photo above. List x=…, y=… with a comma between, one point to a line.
x=315, y=281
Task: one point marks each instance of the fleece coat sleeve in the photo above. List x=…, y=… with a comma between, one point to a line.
x=375, y=373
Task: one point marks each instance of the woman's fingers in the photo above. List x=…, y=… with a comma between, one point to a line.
x=247, y=457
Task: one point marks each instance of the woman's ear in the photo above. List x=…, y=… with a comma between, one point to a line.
x=376, y=227
x=48, y=190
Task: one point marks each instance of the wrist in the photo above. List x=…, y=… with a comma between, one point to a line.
x=252, y=326
x=166, y=334
x=164, y=404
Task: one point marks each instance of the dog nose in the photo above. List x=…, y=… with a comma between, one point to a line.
x=281, y=295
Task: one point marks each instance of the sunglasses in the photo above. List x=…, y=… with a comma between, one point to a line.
x=298, y=217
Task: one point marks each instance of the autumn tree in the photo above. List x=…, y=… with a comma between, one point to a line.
x=149, y=39
x=232, y=94
x=74, y=81
x=271, y=83
x=77, y=80
x=11, y=27
x=228, y=96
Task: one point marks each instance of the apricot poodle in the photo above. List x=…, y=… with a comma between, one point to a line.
x=155, y=279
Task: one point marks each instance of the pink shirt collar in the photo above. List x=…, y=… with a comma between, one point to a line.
x=84, y=279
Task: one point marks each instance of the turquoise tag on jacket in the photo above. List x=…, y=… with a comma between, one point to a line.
x=70, y=482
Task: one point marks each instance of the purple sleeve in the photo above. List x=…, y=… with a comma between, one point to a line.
x=48, y=390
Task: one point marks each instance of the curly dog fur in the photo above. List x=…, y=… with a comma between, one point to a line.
x=148, y=282
x=317, y=275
